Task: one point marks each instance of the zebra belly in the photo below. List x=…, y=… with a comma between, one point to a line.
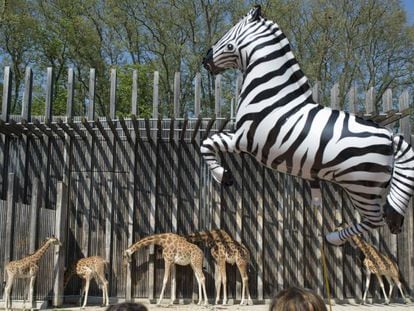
x=321, y=143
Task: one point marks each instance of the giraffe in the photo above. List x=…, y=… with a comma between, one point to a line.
x=225, y=249
x=87, y=269
x=176, y=250
x=380, y=265
x=24, y=268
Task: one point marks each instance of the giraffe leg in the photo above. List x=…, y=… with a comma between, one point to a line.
x=202, y=284
x=31, y=287
x=398, y=283
x=200, y=294
x=82, y=291
x=7, y=290
x=245, y=282
x=224, y=280
x=88, y=281
x=391, y=283
x=104, y=285
x=173, y=284
x=387, y=301
x=217, y=274
x=364, y=297
x=167, y=265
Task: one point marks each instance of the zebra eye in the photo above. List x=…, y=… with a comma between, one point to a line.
x=230, y=47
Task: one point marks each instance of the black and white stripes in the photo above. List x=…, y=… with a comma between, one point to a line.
x=279, y=124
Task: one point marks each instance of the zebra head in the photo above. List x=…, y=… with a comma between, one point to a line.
x=232, y=50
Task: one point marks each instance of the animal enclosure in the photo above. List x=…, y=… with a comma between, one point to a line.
x=100, y=184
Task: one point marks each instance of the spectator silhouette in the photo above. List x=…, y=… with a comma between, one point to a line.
x=297, y=299
x=127, y=306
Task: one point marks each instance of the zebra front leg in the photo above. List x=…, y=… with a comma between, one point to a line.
x=223, y=142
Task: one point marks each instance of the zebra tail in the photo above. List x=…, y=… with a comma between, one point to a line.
x=402, y=179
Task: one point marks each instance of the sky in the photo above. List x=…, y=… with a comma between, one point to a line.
x=409, y=7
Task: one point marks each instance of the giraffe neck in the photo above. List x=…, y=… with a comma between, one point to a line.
x=40, y=252
x=368, y=250
x=156, y=239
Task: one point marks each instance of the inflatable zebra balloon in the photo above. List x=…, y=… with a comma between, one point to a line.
x=279, y=124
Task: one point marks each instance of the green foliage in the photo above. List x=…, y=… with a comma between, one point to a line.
x=364, y=42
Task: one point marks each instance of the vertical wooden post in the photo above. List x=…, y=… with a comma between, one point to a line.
x=60, y=253
x=7, y=88
x=8, y=247
x=387, y=101
x=370, y=101
x=27, y=95
x=316, y=92
x=177, y=95
x=335, y=97
x=151, y=264
x=34, y=212
x=155, y=99
x=197, y=95
x=49, y=95
x=259, y=233
x=92, y=86
x=405, y=124
x=352, y=98
x=131, y=187
x=112, y=97
x=134, y=94
x=108, y=218
x=71, y=93
x=217, y=96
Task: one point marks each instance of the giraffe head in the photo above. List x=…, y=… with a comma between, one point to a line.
x=127, y=255
x=53, y=241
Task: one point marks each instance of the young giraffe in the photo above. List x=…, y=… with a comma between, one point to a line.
x=380, y=265
x=87, y=269
x=176, y=250
x=24, y=268
x=225, y=249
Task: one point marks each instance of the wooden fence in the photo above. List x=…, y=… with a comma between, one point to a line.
x=100, y=184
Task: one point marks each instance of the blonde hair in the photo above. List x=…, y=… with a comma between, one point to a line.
x=297, y=299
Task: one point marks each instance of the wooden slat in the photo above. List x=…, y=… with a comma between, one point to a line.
x=60, y=233
x=155, y=98
x=112, y=95
x=27, y=95
x=126, y=131
x=134, y=93
x=71, y=93
x=177, y=95
x=8, y=245
x=92, y=86
x=197, y=94
x=217, y=96
x=7, y=87
x=49, y=95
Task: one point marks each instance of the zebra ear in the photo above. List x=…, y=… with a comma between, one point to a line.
x=256, y=13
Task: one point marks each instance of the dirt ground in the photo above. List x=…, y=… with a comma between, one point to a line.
x=262, y=307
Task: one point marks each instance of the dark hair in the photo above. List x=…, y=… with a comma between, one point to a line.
x=297, y=299
x=127, y=306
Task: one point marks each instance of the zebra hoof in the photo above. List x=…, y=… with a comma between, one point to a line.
x=227, y=179
x=333, y=238
x=393, y=219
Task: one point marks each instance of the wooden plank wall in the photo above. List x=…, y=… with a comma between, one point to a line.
x=128, y=178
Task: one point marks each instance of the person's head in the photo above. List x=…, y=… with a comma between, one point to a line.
x=127, y=306
x=297, y=299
